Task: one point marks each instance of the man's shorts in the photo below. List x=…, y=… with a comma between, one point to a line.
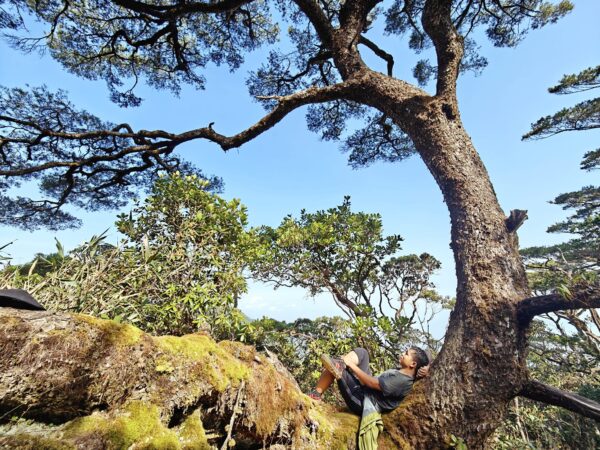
x=350, y=388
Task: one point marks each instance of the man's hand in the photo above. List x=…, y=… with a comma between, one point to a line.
x=423, y=372
x=349, y=359
x=364, y=378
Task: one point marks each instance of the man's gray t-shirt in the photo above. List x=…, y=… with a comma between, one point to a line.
x=394, y=387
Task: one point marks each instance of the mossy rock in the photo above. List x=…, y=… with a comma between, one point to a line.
x=192, y=435
x=137, y=423
x=213, y=362
x=109, y=385
x=120, y=334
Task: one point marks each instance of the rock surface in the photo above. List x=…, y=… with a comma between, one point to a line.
x=74, y=381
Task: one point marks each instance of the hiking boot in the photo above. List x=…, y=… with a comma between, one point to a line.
x=315, y=395
x=334, y=366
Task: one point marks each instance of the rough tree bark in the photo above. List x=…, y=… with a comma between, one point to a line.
x=482, y=363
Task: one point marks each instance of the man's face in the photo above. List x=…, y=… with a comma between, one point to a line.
x=407, y=359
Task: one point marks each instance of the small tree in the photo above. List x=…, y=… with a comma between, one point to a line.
x=344, y=254
x=179, y=268
x=195, y=245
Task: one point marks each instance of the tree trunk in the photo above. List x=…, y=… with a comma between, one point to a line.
x=482, y=364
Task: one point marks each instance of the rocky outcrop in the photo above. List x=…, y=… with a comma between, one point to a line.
x=74, y=381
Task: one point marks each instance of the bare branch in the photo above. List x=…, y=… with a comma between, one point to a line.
x=285, y=105
x=540, y=392
x=379, y=52
x=515, y=220
x=583, y=297
x=102, y=164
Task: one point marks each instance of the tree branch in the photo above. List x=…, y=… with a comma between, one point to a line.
x=318, y=19
x=173, y=11
x=584, y=297
x=583, y=116
x=449, y=48
x=113, y=159
x=354, y=14
x=515, y=220
x=540, y=392
x=379, y=52
x=285, y=105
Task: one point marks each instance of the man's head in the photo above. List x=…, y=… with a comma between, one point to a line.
x=413, y=358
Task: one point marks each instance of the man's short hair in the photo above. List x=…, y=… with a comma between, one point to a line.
x=420, y=357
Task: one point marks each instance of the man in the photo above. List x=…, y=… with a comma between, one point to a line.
x=355, y=380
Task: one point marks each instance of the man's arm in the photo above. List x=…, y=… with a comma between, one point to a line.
x=365, y=379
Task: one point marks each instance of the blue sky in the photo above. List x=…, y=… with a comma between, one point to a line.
x=288, y=168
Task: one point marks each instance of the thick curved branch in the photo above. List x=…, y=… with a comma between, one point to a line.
x=540, y=392
x=318, y=19
x=353, y=15
x=285, y=105
x=449, y=46
x=115, y=157
x=180, y=9
x=379, y=52
x=585, y=297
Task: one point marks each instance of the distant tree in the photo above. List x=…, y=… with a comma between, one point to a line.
x=76, y=157
x=345, y=254
x=578, y=259
x=582, y=116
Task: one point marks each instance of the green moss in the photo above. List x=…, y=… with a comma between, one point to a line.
x=335, y=428
x=165, y=441
x=137, y=423
x=163, y=365
x=120, y=334
x=191, y=434
x=219, y=366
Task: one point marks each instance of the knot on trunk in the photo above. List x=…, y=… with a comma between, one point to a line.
x=515, y=220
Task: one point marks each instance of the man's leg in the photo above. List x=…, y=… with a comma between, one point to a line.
x=324, y=382
x=359, y=356
x=351, y=389
x=327, y=378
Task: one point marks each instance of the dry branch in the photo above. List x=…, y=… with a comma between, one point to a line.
x=580, y=298
x=541, y=392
